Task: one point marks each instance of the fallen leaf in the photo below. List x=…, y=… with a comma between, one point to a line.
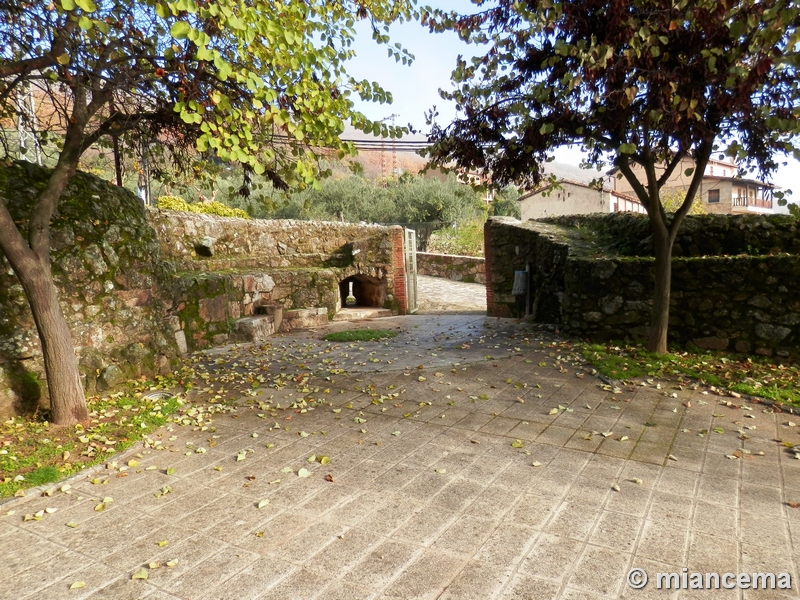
x=536, y=463
x=441, y=471
x=304, y=473
x=77, y=585
x=262, y=504
x=517, y=444
x=71, y=524
x=329, y=477
x=615, y=487
x=140, y=574
x=171, y=563
x=671, y=457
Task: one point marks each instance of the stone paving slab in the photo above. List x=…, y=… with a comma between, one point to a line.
x=501, y=469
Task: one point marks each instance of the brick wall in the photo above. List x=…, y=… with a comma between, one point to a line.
x=398, y=266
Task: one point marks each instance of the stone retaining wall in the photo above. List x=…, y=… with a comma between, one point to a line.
x=471, y=269
x=138, y=288
x=744, y=303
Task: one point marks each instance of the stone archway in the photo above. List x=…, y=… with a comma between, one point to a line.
x=368, y=291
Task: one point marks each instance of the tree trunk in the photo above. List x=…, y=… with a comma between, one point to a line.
x=30, y=261
x=659, y=319
x=67, y=398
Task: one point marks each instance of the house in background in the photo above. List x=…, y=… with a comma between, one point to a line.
x=571, y=197
x=721, y=191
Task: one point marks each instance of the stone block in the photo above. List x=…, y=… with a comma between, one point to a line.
x=255, y=329
x=772, y=333
x=213, y=309
x=180, y=339
x=712, y=343
x=109, y=378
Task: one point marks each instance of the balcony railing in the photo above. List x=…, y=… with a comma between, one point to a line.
x=755, y=202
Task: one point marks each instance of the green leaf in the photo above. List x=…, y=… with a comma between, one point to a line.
x=86, y=5
x=68, y=4
x=517, y=444
x=180, y=30
x=85, y=23
x=140, y=574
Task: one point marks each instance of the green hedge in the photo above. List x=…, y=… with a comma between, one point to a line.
x=208, y=208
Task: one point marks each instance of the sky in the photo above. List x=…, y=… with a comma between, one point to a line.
x=415, y=88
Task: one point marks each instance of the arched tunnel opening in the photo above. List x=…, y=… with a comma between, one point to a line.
x=368, y=291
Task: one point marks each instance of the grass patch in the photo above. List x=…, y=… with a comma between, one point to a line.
x=33, y=452
x=756, y=376
x=359, y=335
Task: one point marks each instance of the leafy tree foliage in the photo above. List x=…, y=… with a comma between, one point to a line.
x=409, y=199
x=258, y=82
x=673, y=199
x=648, y=82
x=505, y=203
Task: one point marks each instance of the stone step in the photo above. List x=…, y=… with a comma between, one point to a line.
x=256, y=328
x=304, y=318
x=361, y=312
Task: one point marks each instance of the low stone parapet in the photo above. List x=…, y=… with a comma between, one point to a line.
x=470, y=269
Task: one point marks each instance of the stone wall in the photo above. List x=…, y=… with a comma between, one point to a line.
x=139, y=287
x=471, y=269
x=105, y=264
x=228, y=268
x=746, y=303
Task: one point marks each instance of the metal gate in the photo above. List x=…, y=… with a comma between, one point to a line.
x=410, y=243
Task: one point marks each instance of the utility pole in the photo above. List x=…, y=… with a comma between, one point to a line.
x=26, y=125
x=391, y=117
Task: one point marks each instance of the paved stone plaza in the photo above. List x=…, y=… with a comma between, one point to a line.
x=467, y=458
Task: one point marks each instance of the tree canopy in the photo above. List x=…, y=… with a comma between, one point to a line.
x=261, y=83
x=644, y=82
x=627, y=78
